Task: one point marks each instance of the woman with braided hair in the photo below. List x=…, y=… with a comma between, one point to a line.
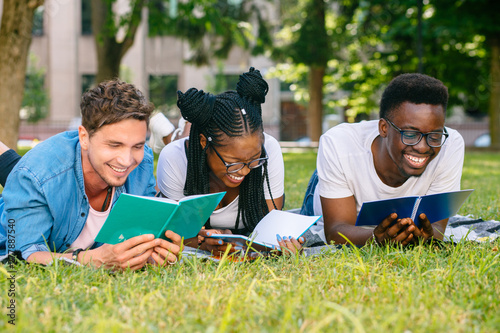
x=227, y=150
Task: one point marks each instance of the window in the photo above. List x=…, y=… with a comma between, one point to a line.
x=86, y=18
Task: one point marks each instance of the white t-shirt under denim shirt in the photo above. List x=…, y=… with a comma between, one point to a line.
x=94, y=223
x=345, y=167
x=172, y=171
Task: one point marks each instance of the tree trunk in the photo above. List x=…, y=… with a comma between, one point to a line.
x=15, y=40
x=315, y=108
x=109, y=51
x=494, y=107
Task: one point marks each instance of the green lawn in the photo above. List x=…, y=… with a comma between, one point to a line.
x=424, y=289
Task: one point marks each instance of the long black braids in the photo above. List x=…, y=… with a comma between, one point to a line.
x=233, y=113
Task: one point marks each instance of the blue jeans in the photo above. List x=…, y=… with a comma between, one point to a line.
x=308, y=203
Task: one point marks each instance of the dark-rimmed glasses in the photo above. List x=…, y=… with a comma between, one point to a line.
x=235, y=167
x=412, y=138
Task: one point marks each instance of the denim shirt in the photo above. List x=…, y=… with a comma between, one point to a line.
x=44, y=206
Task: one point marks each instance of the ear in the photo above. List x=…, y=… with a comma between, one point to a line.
x=203, y=141
x=383, y=127
x=84, y=137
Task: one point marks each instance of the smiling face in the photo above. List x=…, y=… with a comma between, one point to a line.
x=395, y=162
x=112, y=152
x=232, y=150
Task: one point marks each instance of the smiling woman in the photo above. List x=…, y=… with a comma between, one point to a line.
x=227, y=150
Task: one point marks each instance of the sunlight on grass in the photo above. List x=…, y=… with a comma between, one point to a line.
x=448, y=288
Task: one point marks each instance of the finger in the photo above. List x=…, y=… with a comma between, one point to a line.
x=302, y=240
x=399, y=227
x=170, y=260
x=175, y=238
x=405, y=233
x=205, y=232
x=134, y=241
x=136, y=251
x=280, y=242
x=295, y=244
x=214, y=241
x=407, y=240
x=227, y=232
x=166, y=254
x=289, y=247
x=426, y=224
x=138, y=261
x=169, y=247
x=382, y=227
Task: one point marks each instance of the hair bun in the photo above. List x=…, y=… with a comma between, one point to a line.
x=196, y=106
x=252, y=86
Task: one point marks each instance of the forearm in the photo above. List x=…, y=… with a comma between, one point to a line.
x=44, y=258
x=356, y=235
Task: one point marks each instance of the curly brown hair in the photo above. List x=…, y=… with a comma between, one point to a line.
x=111, y=102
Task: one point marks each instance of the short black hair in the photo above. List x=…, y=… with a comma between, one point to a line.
x=414, y=88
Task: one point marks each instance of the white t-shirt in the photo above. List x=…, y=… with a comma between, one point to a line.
x=94, y=223
x=172, y=170
x=345, y=167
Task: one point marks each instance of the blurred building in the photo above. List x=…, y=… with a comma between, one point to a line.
x=65, y=47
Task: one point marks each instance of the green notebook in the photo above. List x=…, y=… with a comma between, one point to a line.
x=134, y=215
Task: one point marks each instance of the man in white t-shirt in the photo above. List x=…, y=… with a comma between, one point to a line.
x=407, y=152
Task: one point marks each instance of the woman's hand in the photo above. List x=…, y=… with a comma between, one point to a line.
x=214, y=245
x=290, y=245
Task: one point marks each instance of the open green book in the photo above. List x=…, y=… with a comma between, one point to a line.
x=134, y=215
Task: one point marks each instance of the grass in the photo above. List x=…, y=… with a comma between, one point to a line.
x=423, y=289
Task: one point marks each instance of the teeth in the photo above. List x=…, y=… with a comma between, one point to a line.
x=418, y=160
x=235, y=177
x=118, y=170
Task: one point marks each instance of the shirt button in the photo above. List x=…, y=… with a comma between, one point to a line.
x=83, y=214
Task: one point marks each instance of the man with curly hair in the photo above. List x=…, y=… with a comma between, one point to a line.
x=59, y=194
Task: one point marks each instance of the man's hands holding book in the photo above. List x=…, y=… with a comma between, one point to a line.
x=137, y=251
x=403, y=231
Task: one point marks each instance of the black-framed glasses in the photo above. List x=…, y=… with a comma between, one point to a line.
x=235, y=167
x=412, y=138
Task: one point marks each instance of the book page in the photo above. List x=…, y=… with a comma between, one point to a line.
x=282, y=223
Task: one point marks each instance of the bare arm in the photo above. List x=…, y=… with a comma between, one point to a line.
x=277, y=201
x=339, y=216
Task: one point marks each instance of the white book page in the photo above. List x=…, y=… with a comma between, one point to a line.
x=153, y=198
x=282, y=223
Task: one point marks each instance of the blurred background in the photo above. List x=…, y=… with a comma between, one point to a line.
x=326, y=61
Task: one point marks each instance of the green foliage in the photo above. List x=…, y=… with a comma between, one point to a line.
x=35, y=100
x=373, y=41
x=212, y=27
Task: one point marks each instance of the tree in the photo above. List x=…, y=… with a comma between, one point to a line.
x=468, y=21
x=15, y=40
x=312, y=35
x=105, y=26
x=212, y=27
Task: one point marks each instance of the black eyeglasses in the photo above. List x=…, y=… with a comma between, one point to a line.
x=235, y=167
x=412, y=138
